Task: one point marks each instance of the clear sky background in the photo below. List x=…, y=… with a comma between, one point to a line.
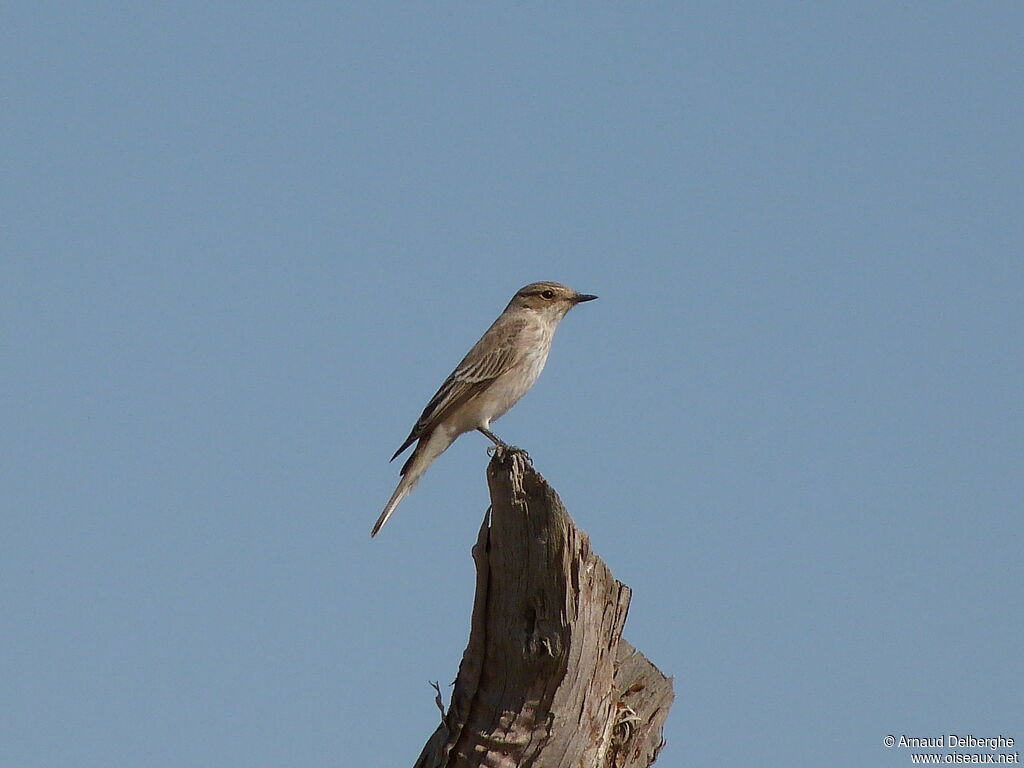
x=243, y=243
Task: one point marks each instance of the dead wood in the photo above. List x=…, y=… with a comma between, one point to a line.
x=546, y=680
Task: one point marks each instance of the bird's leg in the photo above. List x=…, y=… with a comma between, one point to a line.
x=500, y=446
x=498, y=442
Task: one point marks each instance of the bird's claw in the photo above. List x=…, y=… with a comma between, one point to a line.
x=503, y=450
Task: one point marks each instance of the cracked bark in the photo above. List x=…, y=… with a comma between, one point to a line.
x=546, y=680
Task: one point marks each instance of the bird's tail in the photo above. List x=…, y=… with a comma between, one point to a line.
x=427, y=449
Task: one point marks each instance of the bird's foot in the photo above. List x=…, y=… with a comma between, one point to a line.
x=503, y=450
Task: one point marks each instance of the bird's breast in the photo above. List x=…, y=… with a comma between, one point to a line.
x=515, y=383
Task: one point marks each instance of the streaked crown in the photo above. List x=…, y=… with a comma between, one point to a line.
x=548, y=296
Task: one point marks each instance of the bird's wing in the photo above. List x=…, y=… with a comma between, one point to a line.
x=495, y=354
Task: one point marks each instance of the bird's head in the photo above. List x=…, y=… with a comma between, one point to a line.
x=549, y=299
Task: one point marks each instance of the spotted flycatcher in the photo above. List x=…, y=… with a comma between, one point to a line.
x=499, y=369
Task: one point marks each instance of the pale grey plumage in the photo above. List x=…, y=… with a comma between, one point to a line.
x=499, y=369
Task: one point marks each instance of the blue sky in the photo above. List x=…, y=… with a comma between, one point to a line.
x=243, y=244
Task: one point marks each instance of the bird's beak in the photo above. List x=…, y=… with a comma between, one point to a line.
x=581, y=297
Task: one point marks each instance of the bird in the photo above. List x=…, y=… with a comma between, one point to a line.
x=492, y=377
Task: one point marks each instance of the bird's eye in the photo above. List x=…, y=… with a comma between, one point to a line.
x=548, y=294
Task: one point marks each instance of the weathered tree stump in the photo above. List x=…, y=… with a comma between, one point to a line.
x=546, y=680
